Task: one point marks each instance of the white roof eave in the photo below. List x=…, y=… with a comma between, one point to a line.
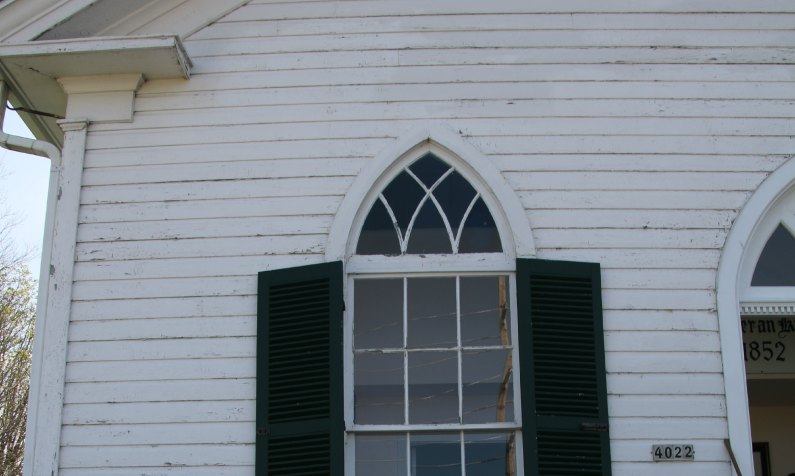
x=32, y=69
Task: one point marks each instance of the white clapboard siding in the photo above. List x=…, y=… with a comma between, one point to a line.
x=550, y=109
x=163, y=308
x=127, y=329
x=632, y=133
x=154, y=369
x=213, y=266
x=666, y=362
x=668, y=406
x=162, y=349
x=665, y=384
x=576, y=125
x=205, y=108
x=543, y=79
x=660, y=320
x=711, y=62
x=666, y=428
x=696, y=468
x=661, y=341
x=270, y=10
x=210, y=228
x=161, y=434
x=635, y=93
x=209, y=189
x=638, y=258
x=163, y=412
x=229, y=208
x=638, y=163
x=164, y=468
x=631, y=219
x=496, y=39
x=197, y=152
x=640, y=200
x=158, y=391
x=264, y=27
x=272, y=247
x=220, y=171
x=161, y=457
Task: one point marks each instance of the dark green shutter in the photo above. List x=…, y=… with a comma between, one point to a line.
x=561, y=345
x=300, y=426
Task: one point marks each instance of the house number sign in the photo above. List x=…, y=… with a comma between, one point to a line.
x=769, y=344
x=683, y=452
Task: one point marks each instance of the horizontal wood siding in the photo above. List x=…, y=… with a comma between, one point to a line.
x=632, y=132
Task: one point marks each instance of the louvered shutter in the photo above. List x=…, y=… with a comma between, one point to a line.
x=300, y=427
x=561, y=345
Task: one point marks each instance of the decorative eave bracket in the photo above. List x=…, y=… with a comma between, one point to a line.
x=107, y=71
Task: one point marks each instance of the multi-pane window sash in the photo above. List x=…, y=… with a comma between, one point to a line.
x=433, y=369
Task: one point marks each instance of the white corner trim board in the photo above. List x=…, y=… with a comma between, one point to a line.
x=503, y=202
x=728, y=286
x=53, y=309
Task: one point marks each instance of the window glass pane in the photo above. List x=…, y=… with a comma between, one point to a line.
x=431, y=313
x=428, y=169
x=490, y=454
x=480, y=232
x=378, y=388
x=378, y=314
x=429, y=235
x=454, y=195
x=437, y=454
x=433, y=387
x=485, y=317
x=776, y=265
x=487, y=386
x=378, y=236
x=403, y=195
x=381, y=455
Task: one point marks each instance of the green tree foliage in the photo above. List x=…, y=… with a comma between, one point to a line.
x=17, y=312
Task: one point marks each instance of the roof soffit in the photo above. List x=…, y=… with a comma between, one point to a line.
x=29, y=20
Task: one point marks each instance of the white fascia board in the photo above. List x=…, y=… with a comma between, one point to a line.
x=156, y=57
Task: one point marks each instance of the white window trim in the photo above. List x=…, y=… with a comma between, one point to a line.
x=515, y=235
x=506, y=209
x=730, y=281
x=767, y=299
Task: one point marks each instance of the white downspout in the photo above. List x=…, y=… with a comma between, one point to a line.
x=48, y=150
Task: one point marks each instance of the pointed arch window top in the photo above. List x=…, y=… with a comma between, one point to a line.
x=429, y=207
x=776, y=264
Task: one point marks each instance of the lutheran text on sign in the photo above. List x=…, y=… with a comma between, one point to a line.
x=768, y=343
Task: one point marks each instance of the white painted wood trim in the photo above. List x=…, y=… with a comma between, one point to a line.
x=728, y=297
x=501, y=199
x=53, y=309
x=463, y=263
x=161, y=56
x=767, y=308
x=103, y=98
